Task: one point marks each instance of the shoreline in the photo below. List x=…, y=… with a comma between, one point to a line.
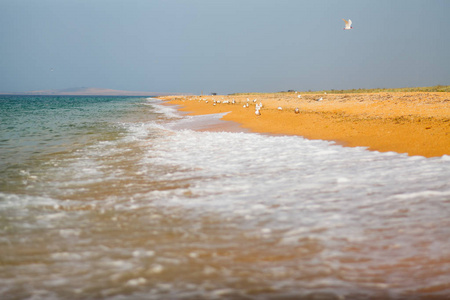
x=416, y=123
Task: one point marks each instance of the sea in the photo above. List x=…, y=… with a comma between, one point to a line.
x=126, y=198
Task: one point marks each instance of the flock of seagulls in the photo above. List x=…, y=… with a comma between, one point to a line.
x=258, y=106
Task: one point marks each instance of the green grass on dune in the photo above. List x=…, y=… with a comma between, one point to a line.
x=430, y=89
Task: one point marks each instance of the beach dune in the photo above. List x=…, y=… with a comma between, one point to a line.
x=416, y=123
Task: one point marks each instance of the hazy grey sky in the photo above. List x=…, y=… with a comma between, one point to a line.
x=223, y=46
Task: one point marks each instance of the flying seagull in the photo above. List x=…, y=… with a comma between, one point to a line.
x=348, y=24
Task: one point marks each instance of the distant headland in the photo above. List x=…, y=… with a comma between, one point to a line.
x=88, y=91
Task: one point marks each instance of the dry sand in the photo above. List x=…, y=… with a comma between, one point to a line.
x=413, y=123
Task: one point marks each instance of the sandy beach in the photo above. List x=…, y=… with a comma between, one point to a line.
x=416, y=123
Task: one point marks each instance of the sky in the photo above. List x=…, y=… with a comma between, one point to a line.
x=223, y=46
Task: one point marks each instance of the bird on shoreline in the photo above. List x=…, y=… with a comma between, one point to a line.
x=297, y=110
x=258, y=109
x=348, y=24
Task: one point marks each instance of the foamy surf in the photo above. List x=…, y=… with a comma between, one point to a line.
x=164, y=210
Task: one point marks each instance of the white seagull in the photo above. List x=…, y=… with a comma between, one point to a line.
x=348, y=24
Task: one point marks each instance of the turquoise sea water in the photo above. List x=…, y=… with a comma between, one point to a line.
x=35, y=128
x=124, y=198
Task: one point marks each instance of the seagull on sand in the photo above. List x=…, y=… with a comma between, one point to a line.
x=297, y=110
x=348, y=24
x=257, y=112
x=320, y=99
x=280, y=108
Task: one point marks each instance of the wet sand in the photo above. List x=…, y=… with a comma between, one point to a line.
x=412, y=123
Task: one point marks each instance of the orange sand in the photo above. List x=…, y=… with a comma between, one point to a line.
x=413, y=123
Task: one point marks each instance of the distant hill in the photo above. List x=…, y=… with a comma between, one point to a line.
x=89, y=91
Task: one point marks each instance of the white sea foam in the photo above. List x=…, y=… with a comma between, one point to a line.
x=166, y=110
x=258, y=165
x=195, y=122
x=164, y=208
x=289, y=181
x=387, y=206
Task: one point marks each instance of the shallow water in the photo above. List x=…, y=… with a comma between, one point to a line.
x=144, y=208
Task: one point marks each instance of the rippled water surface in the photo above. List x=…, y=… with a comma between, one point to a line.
x=121, y=198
